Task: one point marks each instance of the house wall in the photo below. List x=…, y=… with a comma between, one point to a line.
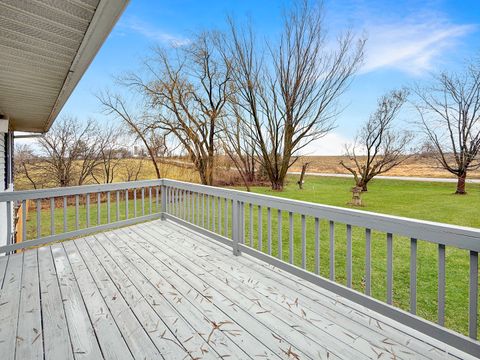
x=6, y=180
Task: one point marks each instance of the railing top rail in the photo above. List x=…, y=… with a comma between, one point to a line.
x=452, y=235
x=75, y=190
x=440, y=233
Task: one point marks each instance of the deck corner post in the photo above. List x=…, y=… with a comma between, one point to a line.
x=235, y=227
x=163, y=194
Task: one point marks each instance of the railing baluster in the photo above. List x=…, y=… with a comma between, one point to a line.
x=39, y=219
x=52, y=216
x=169, y=200
x=304, y=242
x=368, y=261
x=98, y=208
x=24, y=219
x=413, y=275
x=213, y=213
x=117, y=203
x=76, y=211
x=150, y=200
x=235, y=226
x=250, y=209
x=389, y=268
x=143, y=201
x=332, y=250
x=64, y=214
x=126, y=204
x=219, y=216
x=473, y=296
x=317, y=246
x=290, y=237
x=10, y=239
x=156, y=199
x=225, y=221
x=108, y=207
x=198, y=207
x=260, y=228
x=208, y=211
x=279, y=223
x=269, y=230
x=134, y=203
x=242, y=223
x=349, y=256
x=203, y=210
x=87, y=205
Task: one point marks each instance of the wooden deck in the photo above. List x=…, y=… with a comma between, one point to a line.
x=157, y=290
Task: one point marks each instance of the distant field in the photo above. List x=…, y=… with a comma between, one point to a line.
x=418, y=166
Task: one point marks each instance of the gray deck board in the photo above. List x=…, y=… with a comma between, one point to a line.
x=214, y=327
x=29, y=334
x=285, y=312
x=277, y=295
x=9, y=305
x=250, y=311
x=158, y=290
x=56, y=338
x=160, y=334
x=82, y=335
x=135, y=335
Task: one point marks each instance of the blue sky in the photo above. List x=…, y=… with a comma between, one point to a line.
x=406, y=41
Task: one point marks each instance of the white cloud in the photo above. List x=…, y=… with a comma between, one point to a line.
x=151, y=32
x=412, y=46
x=331, y=144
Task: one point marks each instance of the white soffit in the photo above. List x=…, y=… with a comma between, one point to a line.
x=45, y=48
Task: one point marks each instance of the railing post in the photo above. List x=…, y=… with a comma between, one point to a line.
x=236, y=226
x=163, y=194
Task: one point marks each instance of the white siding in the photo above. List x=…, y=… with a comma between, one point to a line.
x=2, y=161
x=3, y=206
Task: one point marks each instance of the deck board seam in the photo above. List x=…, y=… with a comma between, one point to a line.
x=86, y=307
x=96, y=240
x=119, y=292
x=238, y=290
x=112, y=242
x=226, y=314
x=19, y=305
x=83, y=301
x=200, y=311
x=208, y=243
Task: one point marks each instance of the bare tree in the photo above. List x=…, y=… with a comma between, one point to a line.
x=290, y=88
x=109, y=154
x=70, y=151
x=139, y=125
x=186, y=91
x=132, y=169
x=26, y=165
x=383, y=146
x=450, y=119
x=236, y=139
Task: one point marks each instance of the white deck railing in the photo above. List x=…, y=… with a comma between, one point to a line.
x=243, y=221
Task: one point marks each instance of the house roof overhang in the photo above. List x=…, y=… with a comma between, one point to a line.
x=45, y=48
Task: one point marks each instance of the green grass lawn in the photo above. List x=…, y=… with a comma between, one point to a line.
x=421, y=200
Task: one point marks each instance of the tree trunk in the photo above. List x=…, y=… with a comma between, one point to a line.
x=461, y=184
x=363, y=185
x=277, y=185
x=302, y=175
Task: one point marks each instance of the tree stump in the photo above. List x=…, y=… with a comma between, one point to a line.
x=356, y=196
